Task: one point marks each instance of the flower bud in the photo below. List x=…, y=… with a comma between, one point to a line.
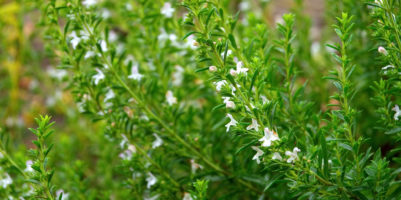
x=233, y=72
x=382, y=50
x=230, y=104
x=212, y=68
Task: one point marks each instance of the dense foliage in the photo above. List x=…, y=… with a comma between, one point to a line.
x=199, y=99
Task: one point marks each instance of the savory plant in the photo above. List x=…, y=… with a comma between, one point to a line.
x=194, y=100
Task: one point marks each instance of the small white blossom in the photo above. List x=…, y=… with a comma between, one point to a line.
x=187, y=196
x=277, y=156
x=219, y=85
x=382, y=50
x=190, y=42
x=59, y=192
x=178, y=76
x=232, y=122
x=109, y=95
x=388, y=67
x=75, y=39
x=264, y=99
x=151, y=179
x=167, y=10
x=254, y=125
x=128, y=6
x=243, y=6
x=397, y=111
x=229, y=104
x=293, y=156
x=124, y=141
x=259, y=153
x=103, y=45
x=57, y=73
x=268, y=138
x=89, y=3
x=127, y=154
x=158, y=142
x=89, y=54
x=212, y=68
x=5, y=181
x=233, y=72
x=135, y=75
x=229, y=52
x=99, y=76
x=29, y=164
x=240, y=69
x=195, y=166
x=113, y=36
x=106, y=13
x=170, y=98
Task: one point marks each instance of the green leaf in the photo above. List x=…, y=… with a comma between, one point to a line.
x=232, y=40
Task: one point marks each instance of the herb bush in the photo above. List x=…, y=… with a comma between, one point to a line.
x=203, y=99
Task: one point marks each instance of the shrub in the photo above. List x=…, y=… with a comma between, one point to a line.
x=194, y=100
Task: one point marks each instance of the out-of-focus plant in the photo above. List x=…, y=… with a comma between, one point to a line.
x=194, y=100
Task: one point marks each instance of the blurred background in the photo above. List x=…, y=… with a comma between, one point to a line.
x=31, y=84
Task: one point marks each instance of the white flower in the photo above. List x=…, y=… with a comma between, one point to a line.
x=29, y=164
x=387, y=67
x=244, y=6
x=135, y=73
x=219, y=85
x=269, y=137
x=158, y=142
x=113, y=36
x=212, y=68
x=57, y=73
x=75, y=39
x=229, y=104
x=128, y=6
x=65, y=195
x=164, y=36
x=170, y=98
x=109, y=95
x=195, y=166
x=6, y=181
x=178, y=75
x=190, y=42
x=232, y=122
x=167, y=10
x=127, y=154
x=89, y=3
x=233, y=72
x=292, y=155
x=277, y=156
x=254, y=125
x=99, y=76
x=124, y=141
x=240, y=69
x=397, y=111
x=187, y=196
x=264, y=99
x=106, y=14
x=229, y=52
x=259, y=153
x=382, y=50
x=103, y=45
x=89, y=54
x=151, y=180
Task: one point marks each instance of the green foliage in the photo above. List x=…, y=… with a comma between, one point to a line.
x=201, y=99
